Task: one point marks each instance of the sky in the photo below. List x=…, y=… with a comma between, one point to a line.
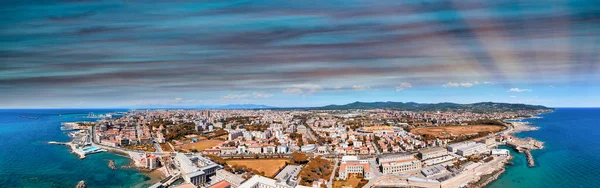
x=102, y=54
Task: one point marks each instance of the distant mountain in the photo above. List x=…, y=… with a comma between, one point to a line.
x=229, y=106
x=245, y=106
x=412, y=106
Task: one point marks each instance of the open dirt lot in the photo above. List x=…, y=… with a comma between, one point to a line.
x=451, y=131
x=269, y=166
x=201, y=145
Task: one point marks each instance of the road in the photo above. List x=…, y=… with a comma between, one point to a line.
x=330, y=182
x=158, y=149
x=375, y=173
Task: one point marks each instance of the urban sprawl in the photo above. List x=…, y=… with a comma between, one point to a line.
x=310, y=148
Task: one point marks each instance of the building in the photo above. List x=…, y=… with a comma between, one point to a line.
x=223, y=175
x=233, y=134
x=323, y=149
x=309, y=148
x=352, y=165
x=282, y=149
x=263, y=182
x=438, y=160
x=255, y=149
x=289, y=174
x=454, y=147
x=500, y=152
x=434, y=171
x=195, y=169
x=151, y=161
x=228, y=150
x=398, y=163
x=221, y=184
x=432, y=153
x=477, y=148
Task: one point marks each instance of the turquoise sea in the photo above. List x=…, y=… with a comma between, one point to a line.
x=26, y=160
x=571, y=157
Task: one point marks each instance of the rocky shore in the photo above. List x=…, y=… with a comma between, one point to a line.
x=487, y=179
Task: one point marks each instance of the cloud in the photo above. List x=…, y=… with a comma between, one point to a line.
x=337, y=87
x=360, y=88
x=260, y=95
x=403, y=86
x=517, y=90
x=466, y=84
x=462, y=84
x=302, y=89
x=451, y=84
x=512, y=96
x=235, y=96
x=46, y=69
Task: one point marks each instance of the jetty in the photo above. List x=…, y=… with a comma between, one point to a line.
x=530, y=161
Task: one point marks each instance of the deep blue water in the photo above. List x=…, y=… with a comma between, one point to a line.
x=26, y=160
x=571, y=157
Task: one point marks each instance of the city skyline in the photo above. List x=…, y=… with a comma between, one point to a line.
x=297, y=54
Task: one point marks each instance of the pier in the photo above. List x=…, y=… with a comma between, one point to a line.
x=530, y=161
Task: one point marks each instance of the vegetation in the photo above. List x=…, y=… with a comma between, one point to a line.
x=256, y=127
x=179, y=131
x=354, y=180
x=299, y=158
x=486, y=122
x=317, y=168
x=141, y=147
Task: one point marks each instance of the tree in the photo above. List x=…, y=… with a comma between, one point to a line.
x=299, y=158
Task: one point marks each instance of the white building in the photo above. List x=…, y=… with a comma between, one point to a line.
x=398, y=163
x=500, y=152
x=454, y=147
x=195, y=169
x=352, y=165
x=234, y=180
x=477, y=148
x=233, y=134
x=432, y=153
x=282, y=149
x=228, y=150
x=255, y=149
x=263, y=182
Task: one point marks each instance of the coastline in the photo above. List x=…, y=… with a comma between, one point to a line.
x=154, y=175
x=518, y=127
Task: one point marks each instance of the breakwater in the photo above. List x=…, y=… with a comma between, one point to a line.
x=530, y=161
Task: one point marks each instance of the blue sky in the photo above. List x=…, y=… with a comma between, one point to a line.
x=297, y=53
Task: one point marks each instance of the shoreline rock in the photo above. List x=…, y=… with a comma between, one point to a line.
x=81, y=184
